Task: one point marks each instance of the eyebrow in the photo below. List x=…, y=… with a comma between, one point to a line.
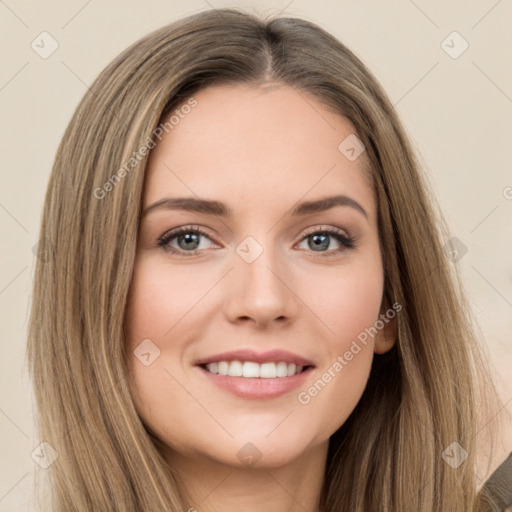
x=211, y=207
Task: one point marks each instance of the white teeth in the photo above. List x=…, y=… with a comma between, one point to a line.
x=282, y=370
x=250, y=369
x=235, y=369
x=268, y=371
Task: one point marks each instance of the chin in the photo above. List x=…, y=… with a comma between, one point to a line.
x=259, y=451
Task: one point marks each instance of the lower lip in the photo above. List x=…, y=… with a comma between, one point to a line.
x=256, y=387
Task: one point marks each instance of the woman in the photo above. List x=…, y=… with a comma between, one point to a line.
x=313, y=351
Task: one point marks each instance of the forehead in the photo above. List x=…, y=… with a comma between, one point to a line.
x=250, y=145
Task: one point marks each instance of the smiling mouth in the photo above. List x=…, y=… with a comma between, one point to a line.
x=253, y=370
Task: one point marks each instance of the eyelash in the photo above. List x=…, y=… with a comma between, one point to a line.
x=346, y=242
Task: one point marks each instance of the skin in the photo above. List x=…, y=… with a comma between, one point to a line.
x=260, y=150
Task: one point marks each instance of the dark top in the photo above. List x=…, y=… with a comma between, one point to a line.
x=496, y=493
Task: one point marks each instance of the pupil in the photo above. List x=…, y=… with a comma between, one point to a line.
x=321, y=244
x=191, y=238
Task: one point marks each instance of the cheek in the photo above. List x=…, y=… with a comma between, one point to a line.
x=157, y=301
x=346, y=300
x=349, y=304
x=159, y=297
x=354, y=308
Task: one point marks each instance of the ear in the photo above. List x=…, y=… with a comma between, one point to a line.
x=385, y=339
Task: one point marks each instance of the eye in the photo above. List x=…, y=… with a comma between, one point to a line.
x=320, y=239
x=188, y=239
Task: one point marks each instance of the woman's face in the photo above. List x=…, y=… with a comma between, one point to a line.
x=262, y=278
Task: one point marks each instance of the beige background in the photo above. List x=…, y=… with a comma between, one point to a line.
x=458, y=112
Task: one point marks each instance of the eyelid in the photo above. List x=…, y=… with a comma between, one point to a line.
x=323, y=228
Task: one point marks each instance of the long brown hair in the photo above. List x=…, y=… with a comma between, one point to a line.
x=421, y=396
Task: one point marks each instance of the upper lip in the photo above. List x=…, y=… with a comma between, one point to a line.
x=271, y=356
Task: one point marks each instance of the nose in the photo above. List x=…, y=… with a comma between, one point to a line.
x=260, y=292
